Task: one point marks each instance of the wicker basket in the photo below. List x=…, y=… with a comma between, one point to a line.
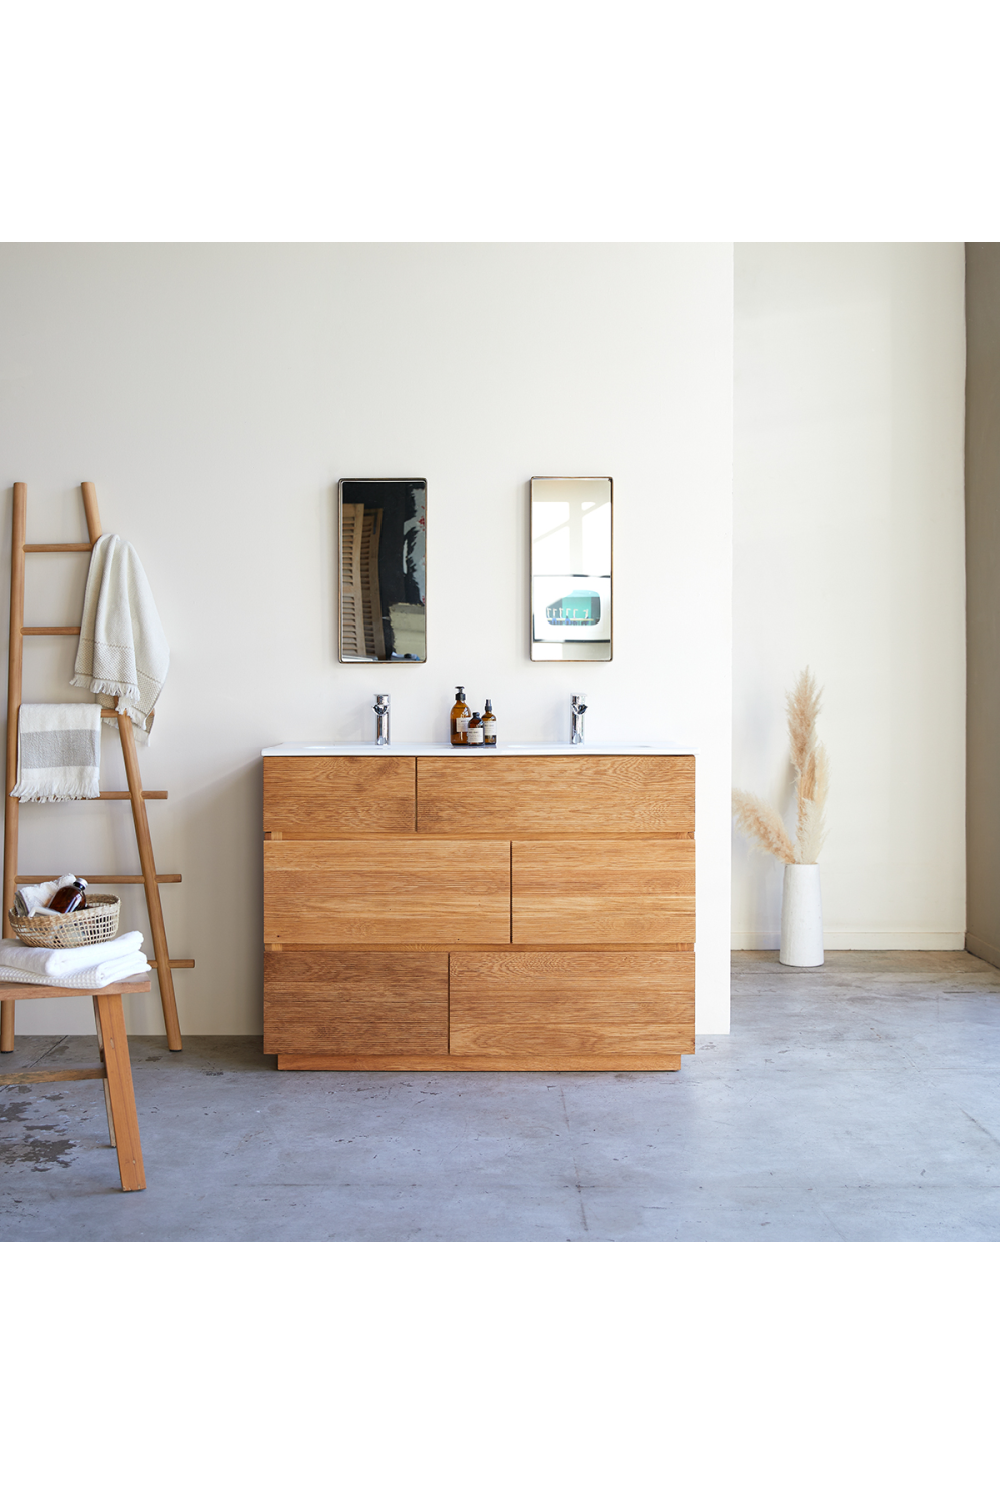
x=97, y=923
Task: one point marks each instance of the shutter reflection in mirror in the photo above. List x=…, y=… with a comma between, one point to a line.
x=371, y=531
x=352, y=641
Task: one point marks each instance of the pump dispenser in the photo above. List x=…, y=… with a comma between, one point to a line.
x=460, y=716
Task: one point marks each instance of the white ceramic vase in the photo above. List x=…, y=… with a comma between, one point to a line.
x=801, y=918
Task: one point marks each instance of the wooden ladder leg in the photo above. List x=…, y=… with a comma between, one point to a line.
x=148, y=864
x=107, y=1090
x=124, y=1120
x=11, y=805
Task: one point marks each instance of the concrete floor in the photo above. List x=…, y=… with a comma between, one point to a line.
x=858, y=1101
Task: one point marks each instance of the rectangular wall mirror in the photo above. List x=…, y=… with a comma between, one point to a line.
x=383, y=575
x=571, y=569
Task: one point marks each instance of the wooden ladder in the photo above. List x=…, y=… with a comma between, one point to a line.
x=162, y=962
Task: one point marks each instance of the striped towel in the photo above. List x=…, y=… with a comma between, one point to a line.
x=58, y=752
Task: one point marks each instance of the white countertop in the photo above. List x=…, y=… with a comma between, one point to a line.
x=653, y=747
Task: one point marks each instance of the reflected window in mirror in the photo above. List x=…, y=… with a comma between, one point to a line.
x=571, y=569
x=383, y=570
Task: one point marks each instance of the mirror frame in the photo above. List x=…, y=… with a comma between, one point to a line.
x=355, y=661
x=563, y=660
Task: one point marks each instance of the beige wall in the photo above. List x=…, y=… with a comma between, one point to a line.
x=849, y=558
x=215, y=394
x=982, y=516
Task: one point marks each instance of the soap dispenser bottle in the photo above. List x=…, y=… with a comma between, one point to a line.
x=460, y=717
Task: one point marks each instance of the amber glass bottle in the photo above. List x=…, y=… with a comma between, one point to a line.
x=489, y=724
x=474, y=733
x=69, y=898
x=460, y=717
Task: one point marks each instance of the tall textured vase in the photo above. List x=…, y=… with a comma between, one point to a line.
x=801, y=918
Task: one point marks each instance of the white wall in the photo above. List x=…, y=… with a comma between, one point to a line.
x=848, y=558
x=215, y=394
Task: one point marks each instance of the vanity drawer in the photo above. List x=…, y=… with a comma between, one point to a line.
x=329, y=794
x=516, y=795
x=559, y=1004
x=394, y=891
x=374, y=1003
x=603, y=891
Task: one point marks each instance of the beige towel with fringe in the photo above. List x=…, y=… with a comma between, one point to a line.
x=123, y=652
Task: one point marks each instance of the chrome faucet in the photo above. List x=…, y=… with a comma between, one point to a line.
x=578, y=703
x=381, y=710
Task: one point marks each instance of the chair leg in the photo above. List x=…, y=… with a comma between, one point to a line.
x=6, y=1025
x=107, y=1091
x=124, y=1122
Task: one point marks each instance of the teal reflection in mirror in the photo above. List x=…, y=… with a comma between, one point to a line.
x=383, y=570
x=571, y=569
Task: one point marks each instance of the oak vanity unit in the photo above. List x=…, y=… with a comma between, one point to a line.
x=439, y=909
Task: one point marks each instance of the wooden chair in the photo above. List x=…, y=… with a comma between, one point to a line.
x=115, y=1069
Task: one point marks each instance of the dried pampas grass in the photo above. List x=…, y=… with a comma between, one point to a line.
x=760, y=822
x=812, y=775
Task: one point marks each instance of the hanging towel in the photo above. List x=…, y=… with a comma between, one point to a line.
x=58, y=752
x=54, y=963
x=94, y=978
x=123, y=652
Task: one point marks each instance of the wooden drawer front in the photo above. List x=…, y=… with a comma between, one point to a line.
x=538, y=1004
x=380, y=1003
x=603, y=891
x=387, y=891
x=519, y=795
x=325, y=794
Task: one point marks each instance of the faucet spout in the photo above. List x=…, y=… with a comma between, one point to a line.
x=578, y=705
x=381, y=711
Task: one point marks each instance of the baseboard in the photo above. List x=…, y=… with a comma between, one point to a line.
x=834, y=942
x=979, y=948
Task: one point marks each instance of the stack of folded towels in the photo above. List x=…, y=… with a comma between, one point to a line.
x=89, y=968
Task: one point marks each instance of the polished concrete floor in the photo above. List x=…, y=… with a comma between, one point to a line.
x=859, y=1101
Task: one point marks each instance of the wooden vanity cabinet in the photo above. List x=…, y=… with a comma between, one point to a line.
x=502, y=913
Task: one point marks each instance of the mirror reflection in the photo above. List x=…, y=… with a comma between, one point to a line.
x=383, y=578
x=571, y=569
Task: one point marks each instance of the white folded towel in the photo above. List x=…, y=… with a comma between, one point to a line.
x=54, y=963
x=58, y=752
x=95, y=978
x=123, y=652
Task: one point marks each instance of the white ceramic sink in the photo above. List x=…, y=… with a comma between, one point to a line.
x=517, y=747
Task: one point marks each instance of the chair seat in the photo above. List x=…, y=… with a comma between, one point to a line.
x=44, y=991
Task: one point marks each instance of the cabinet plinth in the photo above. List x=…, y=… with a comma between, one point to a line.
x=515, y=914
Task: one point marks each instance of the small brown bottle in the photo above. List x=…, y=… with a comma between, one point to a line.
x=474, y=732
x=69, y=898
x=460, y=717
x=489, y=725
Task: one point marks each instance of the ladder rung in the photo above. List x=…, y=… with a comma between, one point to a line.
x=100, y=879
x=124, y=797
x=112, y=713
x=50, y=630
x=65, y=1075
x=175, y=963
x=58, y=546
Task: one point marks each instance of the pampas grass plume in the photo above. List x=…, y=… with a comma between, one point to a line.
x=760, y=822
x=812, y=776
